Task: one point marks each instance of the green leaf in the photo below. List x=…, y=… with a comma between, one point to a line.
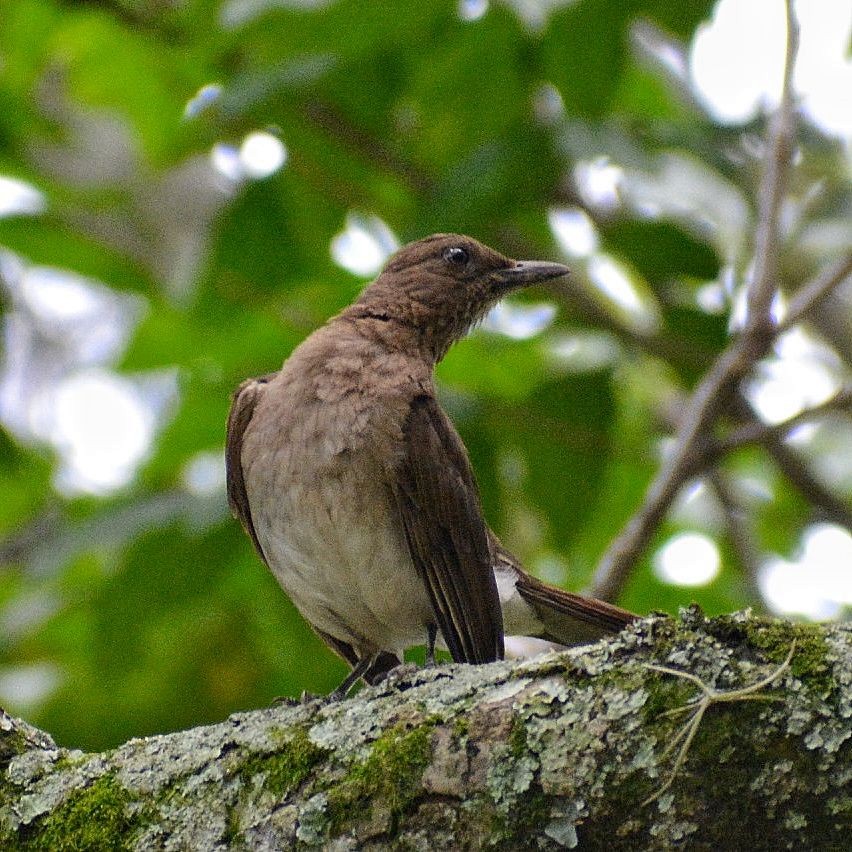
x=585, y=53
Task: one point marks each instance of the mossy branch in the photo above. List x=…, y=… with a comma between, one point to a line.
x=560, y=751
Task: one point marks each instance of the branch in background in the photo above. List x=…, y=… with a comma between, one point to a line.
x=52, y=540
x=708, y=401
x=714, y=392
x=793, y=467
x=830, y=506
x=372, y=149
x=140, y=17
x=670, y=349
x=810, y=295
x=782, y=137
x=737, y=531
x=755, y=431
x=18, y=547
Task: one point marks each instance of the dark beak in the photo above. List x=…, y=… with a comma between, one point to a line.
x=526, y=272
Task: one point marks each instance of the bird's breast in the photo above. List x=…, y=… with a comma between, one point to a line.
x=321, y=503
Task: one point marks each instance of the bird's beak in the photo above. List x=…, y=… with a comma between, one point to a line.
x=525, y=272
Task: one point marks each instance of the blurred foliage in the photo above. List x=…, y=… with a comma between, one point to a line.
x=147, y=607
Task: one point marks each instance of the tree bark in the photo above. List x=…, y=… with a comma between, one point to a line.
x=565, y=750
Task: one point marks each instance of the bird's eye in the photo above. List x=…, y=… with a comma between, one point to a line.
x=456, y=255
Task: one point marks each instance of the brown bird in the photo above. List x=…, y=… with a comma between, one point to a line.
x=357, y=490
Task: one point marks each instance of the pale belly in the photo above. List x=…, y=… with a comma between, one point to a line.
x=333, y=544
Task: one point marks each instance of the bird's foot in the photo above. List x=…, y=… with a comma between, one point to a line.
x=309, y=697
x=289, y=701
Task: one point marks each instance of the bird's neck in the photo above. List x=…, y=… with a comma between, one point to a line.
x=406, y=331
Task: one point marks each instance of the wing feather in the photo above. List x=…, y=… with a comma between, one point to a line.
x=244, y=401
x=438, y=502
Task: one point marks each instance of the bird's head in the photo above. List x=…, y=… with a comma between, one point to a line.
x=440, y=286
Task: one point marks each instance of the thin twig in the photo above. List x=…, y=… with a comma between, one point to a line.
x=584, y=309
x=764, y=285
x=714, y=392
x=708, y=400
x=333, y=123
x=794, y=468
x=811, y=294
x=18, y=547
x=737, y=530
x=828, y=504
x=706, y=699
x=755, y=432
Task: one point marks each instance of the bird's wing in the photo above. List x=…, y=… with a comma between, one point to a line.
x=439, y=507
x=243, y=404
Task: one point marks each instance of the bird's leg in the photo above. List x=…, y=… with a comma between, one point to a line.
x=403, y=670
x=353, y=677
x=431, y=636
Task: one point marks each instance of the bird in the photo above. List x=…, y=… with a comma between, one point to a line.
x=357, y=491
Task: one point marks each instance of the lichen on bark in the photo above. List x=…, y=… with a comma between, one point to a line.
x=556, y=752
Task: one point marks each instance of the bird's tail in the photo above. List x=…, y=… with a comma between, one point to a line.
x=568, y=618
x=534, y=608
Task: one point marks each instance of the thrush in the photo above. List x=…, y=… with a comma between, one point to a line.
x=357, y=490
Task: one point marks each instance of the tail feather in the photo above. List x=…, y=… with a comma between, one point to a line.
x=534, y=608
x=569, y=618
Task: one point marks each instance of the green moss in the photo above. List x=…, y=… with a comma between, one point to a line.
x=840, y=806
x=232, y=831
x=391, y=775
x=665, y=693
x=287, y=768
x=12, y=743
x=721, y=734
x=461, y=727
x=67, y=761
x=664, y=633
x=773, y=637
x=518, y=738
x=523, y=821
x=91, y=818
x=474, y=829
x=809, y=659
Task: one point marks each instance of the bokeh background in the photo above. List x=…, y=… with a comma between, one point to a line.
x=189, y=187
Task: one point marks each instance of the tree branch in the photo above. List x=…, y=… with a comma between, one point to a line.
x=738, y=533
x=554, y=752
x=782, y=137
x=669, y=348
x=811, y=294
x=714, y=392
x=755, y=432
x=710, y=399
x=792, y=466
x=829, y=505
